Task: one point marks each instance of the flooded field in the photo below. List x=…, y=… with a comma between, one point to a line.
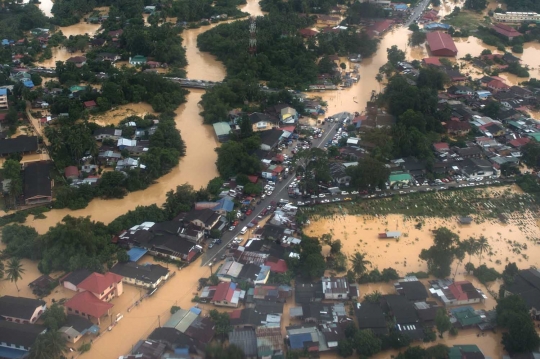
x=113, y=117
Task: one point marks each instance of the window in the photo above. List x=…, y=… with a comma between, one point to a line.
x=77, y=311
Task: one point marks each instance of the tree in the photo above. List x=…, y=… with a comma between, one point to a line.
x=459, y=253
x=221, y=320
x=389, y=274
x=51, y=345
x=483, y=246
x=415, y=352
x=214, y=185
x=12, y=172
x=492, y=109
x=335, y=246
x=217, y=350
x=1, y=270
x=122, y=256
x=414, y=27
x=442, y=322
x=513, y=314
x=417, y=38
x=509, y=273
x=345, y=348
x=477, y=5
x=440, y=256
x=366, y=343
x=54, y=317
x=469, y=267
x=470, y=247
x=359, y=263
x=369, y=174
x=14, y=271
x=395, y=55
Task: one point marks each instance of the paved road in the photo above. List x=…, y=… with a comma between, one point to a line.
x=280, y=192
x=420, y=7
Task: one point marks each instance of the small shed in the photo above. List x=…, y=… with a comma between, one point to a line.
x=465, y=220
x=222, y=129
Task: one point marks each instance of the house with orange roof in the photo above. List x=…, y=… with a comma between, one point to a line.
x=497, y=85
x=88, y=306
x=103, y=286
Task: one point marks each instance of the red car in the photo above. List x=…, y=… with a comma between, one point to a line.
x=248, y=212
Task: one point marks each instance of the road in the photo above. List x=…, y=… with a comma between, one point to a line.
x=280, y=192
x=420, y=7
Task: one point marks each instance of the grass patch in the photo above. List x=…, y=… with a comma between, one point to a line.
x=466, y=20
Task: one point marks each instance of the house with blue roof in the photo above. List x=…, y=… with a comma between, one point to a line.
x=28, y=84
x=436, y=26
x=400, y=7
x=306, y=338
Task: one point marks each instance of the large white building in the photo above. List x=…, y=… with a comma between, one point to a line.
x=516, y=16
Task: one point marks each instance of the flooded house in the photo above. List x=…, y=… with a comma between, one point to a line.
x=21, y=310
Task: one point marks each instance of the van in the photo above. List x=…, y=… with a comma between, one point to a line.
x=244, y=230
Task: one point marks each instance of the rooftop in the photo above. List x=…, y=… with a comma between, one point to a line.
x=19, y=307
x=97, y=283
x=86, y=302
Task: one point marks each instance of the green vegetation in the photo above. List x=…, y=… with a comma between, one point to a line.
x=16, y=19
x=360, y=11
x=513, y=315
x=476, y=5
x=485, y=274
x=195, y=10
x=523, y=5
x=312, y=6
x=440, y=256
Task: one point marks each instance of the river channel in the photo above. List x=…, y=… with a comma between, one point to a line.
x=198, y=166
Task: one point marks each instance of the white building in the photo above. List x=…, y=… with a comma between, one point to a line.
x=516, y=16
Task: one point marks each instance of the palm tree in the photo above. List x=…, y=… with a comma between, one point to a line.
x=49, y=345
x=459, y=252
x=483, y=246
x=14, y=271
x=471, y=247
x=359, y=263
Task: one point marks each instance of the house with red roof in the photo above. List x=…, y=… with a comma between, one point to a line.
x=90, y=104
x=103, y=286
x=430, y=15
x=431, y=61
x=458, y=128
x=456, y=293
x=88, y=306
x=506, y=31
x=441, y=147
x=277, y=265
x=228, y=294
x=307, y=33
x=441, y=44
x=71, y=172
x=519, y=142
x=380, y=27
x=497, y=85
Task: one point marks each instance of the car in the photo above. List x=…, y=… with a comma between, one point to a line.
x=263, y=196
x=321, y=195
x=269, y=193
x=210, y=245
x=238, y=214
x=222, y=257
x=355, y=192
x=248, y=212
x=344, y=193
x=231, y=228
x=313, y=196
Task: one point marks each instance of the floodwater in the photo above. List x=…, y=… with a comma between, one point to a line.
x=360, y=233
x=113, y=117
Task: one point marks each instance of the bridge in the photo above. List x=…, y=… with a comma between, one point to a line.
x=195, y=84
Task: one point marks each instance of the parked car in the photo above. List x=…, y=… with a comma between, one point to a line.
x=231, y=228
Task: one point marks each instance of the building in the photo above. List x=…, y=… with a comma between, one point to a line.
x=516, y=16
x=21, y=310
x=476, y=167
x=205, y=218
x=176, y=341
x=403, y=178
x=371, y=316
x=222, y=130
x=72, y=279
x=506, y=31
x=103, y=286
x=526, y=284
x=456, y=293
x=307, y=292
x=19, y=144
x=270, y=344
x=270, y=139
x=338, y=173
x=37, y=183
x=107, y=133
x=469, y=351
x=143, y=275
x=228, y=294
x=260, y=121
x=306, y=338
x=71, y=172
x=88, y=306
x=379, y=27
x=138, y=60
x=246, y=340
x=191, y=323
x=336, y=288
x=3, y=99
x=16, y=339
x=404, y=314
x=412, y=289
x=76, y=327
x=79, y=61
x=441, y=44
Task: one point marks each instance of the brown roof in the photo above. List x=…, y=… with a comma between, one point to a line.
x=97, y=283
x=506, y=30
x=86, y=302
x=439, y=40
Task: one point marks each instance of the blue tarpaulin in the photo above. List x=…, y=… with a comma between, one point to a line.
x=12, y=353
x=195, y=310
x=136, y=253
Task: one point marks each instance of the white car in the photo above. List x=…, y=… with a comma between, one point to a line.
x=355, y=192
x=269, y=193
x=321, y=195
x=263, y=196
x=344, y=193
